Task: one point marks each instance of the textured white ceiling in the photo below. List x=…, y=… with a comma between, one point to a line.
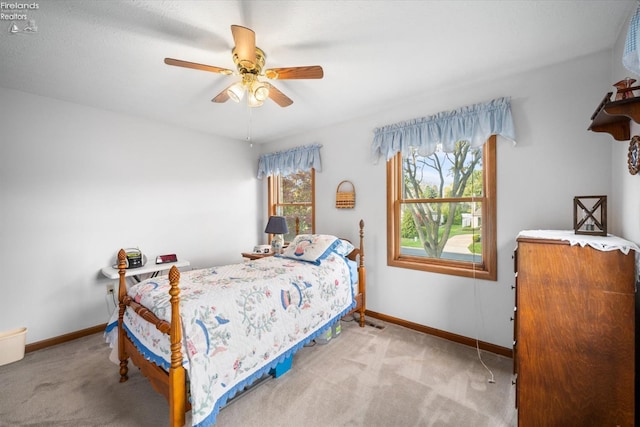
x=109, y=54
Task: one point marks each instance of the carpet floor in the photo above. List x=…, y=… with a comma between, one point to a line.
x=373, y=376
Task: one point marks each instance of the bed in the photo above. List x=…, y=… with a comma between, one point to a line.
x=203, y=336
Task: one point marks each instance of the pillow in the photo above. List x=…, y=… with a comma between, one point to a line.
x=353, y=272
x=344, y=247
x=311, y=247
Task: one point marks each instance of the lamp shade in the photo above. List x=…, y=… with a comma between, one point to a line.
x=260, y=91
x=236, y=91
x=276, y=225
x=252, y=101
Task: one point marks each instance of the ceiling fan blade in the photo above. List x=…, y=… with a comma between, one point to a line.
x=310, y=72
x=196, y=66
x=245, y=40
x=278, y=97
x=222, y=96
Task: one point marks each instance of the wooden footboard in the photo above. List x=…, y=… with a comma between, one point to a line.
x=172, y=384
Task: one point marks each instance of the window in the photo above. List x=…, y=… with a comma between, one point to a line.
x=293, y=196
x=441, y=211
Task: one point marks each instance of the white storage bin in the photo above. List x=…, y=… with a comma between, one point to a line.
x=336, y=329
x=324, y=337
x=12, y=345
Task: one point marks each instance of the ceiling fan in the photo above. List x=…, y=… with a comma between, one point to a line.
x=250, y=60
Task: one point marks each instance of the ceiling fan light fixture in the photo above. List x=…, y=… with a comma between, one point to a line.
x=260, y=91
x=252, y=101
x=236, y=91
x=250, y=60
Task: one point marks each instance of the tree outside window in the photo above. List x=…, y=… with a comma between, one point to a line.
x=293, y=196
x=441, y=211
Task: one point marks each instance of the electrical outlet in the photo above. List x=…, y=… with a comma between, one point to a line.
x=110, y=289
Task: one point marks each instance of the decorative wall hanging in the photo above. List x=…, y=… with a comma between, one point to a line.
x=614, y=117
x=345, y=199
x=634, y=155
x=590, y=215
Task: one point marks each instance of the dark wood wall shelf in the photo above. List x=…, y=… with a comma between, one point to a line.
x=613, y=117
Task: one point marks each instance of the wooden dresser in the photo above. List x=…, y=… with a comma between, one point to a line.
x=574, y=344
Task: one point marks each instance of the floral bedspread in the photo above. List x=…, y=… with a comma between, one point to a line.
x=239, y=321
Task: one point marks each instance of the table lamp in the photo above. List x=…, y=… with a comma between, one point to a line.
x=277, y=226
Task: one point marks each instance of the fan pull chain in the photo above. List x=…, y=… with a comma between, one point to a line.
x=249, y=126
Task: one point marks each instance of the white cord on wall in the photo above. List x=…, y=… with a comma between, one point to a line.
x=108, y=305
x=478, y=310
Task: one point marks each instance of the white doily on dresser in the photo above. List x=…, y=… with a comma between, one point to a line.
x=601, y=243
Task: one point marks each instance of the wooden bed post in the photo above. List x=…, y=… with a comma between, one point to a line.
x=177, y=391
x=362, y=276
x=122, y=292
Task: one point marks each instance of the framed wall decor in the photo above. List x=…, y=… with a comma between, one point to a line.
x=590, y=215
x=634, y=155
x=346, y=195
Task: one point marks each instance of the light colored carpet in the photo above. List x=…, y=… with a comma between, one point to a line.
x=366, y=377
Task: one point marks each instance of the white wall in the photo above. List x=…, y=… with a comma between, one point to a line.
x=555, y=159
x=625, y=211
x=77, y=184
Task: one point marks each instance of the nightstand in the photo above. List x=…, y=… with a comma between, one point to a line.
x=253, y=256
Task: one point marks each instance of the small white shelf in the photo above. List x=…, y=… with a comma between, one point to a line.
x=149, y=268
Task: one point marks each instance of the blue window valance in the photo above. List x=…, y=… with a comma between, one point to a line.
x=631, y=55
x=294, y=160
x=473, y=123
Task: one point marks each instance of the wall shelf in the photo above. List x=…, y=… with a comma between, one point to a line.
x=613, y=117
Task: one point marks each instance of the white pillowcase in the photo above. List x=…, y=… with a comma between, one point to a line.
x=311, y=247
x=344, y=247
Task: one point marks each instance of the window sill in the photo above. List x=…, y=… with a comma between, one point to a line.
x=443, y=267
